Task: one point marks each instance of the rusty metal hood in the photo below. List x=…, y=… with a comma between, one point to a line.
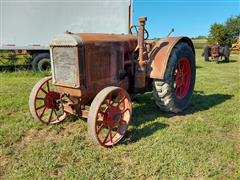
x=89, y=38
x=97, y=37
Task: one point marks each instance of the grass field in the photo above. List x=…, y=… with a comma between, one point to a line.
x=203, y=142
x=199, y=43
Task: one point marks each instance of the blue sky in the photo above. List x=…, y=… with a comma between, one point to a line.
x=190, y=18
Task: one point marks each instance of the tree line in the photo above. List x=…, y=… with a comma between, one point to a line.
x=226, y=33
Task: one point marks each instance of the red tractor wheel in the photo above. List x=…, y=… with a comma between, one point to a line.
x=109, y=116
x=45, y=104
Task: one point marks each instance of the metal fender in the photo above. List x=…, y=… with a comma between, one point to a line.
x=159, y=55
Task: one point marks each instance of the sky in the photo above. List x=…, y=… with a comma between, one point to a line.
x=188, y=18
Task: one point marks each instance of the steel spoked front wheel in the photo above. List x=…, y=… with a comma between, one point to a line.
x=45, y=103
x=109, y=116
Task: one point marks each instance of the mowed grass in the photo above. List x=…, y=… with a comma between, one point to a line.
x=202, y=142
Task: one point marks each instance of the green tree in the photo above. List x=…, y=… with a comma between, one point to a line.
x=225, y=34
x=218, y=34
x=233, y=29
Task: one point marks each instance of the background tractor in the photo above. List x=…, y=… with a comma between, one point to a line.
x=215, y=52
x=93, y=75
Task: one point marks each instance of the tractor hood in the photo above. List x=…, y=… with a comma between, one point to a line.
x=129, y=41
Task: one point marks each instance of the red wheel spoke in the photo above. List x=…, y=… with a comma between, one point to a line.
x=43, y=112
x=105, y=140
x=55, y=113
x=40, y=107
x=100, y=119
x=39, y=98
x=50, y=117
x=100, y=129
x=111, y=137
x=121, y=101
x=99, y=123
x=48, y=88
x=43, y=90
x=124, y=111
x=123, y=121
x=108, y=100
x=102, y=113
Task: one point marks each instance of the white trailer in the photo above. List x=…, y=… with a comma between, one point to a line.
x=29, y=25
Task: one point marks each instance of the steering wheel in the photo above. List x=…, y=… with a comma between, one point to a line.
x=135, y=27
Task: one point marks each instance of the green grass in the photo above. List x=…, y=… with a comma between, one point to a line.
x=199, y=43
x=203, y=142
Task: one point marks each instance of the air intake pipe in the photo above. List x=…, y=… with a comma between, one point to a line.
x=140, y=74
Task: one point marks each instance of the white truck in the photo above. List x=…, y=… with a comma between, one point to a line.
x=29, y=25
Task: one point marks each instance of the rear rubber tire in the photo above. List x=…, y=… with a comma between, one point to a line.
x=40, y=61
x=226, y=53
x=206, y=54
x=164, y=90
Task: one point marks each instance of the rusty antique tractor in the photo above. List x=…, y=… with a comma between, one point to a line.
x=93, y=75
x=216, y=51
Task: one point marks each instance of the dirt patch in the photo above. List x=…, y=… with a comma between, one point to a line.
x=175, y=120
x=3, y=163
x=35, y=135
x=47, y=134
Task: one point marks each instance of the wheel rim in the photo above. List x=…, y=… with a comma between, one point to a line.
x=182, y=78
x=113, y=117
x=47, y=104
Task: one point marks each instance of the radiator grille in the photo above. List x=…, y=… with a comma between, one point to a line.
x=100, y=66
x=65, y=65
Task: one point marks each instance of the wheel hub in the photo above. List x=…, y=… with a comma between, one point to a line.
x=113, y=117
x=50, y=100
x=183, y=77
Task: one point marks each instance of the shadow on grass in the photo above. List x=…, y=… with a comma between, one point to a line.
x=146, y=111
x=198, y=67
x=225, y=62
x=202, y=102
